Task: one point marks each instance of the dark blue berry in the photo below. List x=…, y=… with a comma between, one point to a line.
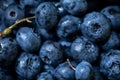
x=28, y=65
x=68, y=26
x=13, y=13
x=51, y=53
x=112, y=43
x=28, y=40
x=64, y=72
x=74, y=7
x=113, y=13
x=45, y=76
x=8, y=51
x=46, y=15
x=96, y=27
x=84, y=71
x=110, y=64
x=83, y=49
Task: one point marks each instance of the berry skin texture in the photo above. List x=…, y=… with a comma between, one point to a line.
x=45, y=76
x=64, y=72
x=96, y=27
x=74, y=7
x=112, y=43
x=28, y=40
x=8, y=51
x=28, y=65
x=113, y=13
x=13, y=13
x=68, y=26
x=109, y=64
x=46, y=15
x=83, y=49
x=51, y=53
x=84, y=71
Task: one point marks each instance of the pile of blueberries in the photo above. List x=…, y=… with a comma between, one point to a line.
x=65, y=40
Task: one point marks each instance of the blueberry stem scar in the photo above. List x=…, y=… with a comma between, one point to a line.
x=8, y=30
x=71, y=64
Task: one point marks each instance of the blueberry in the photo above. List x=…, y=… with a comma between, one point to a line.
x=113, y=13
x=83, y=49
x=8, y=51
x=28, y=40
x=45, y=76
x=96, y=27
x=84, y=71
x=13, y=13
x=4, y=75
x=68, y=26
x=46, y=15
x=51, y=53
x=112, y=43
x=74, y=7
x=64, y=72
x=110, y=64
x=28, y=65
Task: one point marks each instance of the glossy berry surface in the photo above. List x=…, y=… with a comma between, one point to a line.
x=96, y=27
x=46, y=15
x=65, y=72
x=83, y=49
x=59, y=39
x=9, y=51
x=51, y=53
x=68, y=26
x=28, y=40
x=28, y=65
x=84, y=71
